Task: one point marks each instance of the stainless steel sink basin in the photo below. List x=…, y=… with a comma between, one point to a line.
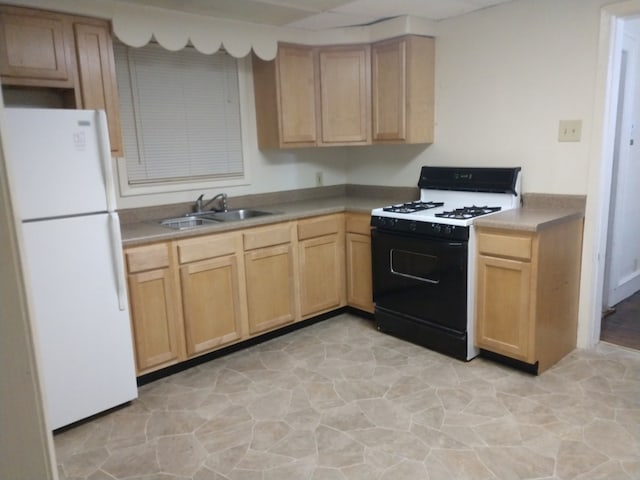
x=239, y=214
x=188, y=221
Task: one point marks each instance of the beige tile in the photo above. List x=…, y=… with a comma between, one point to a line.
x=338, y=400
x=336, y=449
x=180, y=454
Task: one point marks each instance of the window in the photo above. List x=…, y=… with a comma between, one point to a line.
x=180, y=115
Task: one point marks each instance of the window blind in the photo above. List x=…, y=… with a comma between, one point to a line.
x=180, y=114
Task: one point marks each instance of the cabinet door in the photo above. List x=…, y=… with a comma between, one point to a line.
x=270, y=287
x=297, y=95
x=359, y=285
x=35, y=48
x=153, y=316
x=402, y=71
x=211, y=303
x=504, y=323
x=322, y=273
x=389, y=86
x=345, y=95
x=97, y=75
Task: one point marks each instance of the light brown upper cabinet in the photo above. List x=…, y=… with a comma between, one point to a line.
x=66, y=52
x=36, y=48
x=402, y=71
x=285, y=96
x=345, y=95
x=97, y=74
x=312, y=96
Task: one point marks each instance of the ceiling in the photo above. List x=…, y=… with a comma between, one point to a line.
x=321, y=14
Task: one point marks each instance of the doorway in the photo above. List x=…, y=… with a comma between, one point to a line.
x=621, y=319
x=601, y=207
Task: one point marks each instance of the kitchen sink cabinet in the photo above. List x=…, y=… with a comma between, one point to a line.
x=212, y=291
x=402, y=71
x=321, y=253
x=527, y=292
x=270, y=274
x=157, y=330
x=358, y=256
x=68, y=53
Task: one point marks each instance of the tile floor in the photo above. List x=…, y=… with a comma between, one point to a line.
x=338, y=400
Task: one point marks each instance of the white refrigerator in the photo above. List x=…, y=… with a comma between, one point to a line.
x=63, y=192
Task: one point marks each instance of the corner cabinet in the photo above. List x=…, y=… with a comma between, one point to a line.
x=74, y=54
x=527, y=287
x=157, y=331
x=402, y=71
x=358, y=253
x=322, y=265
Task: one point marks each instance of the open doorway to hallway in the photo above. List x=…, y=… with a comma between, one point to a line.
x=621, y=300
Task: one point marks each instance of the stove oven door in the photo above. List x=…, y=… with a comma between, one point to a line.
x=422, y=278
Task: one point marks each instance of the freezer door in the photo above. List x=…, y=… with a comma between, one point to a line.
x=83, y=338
x=56, y=162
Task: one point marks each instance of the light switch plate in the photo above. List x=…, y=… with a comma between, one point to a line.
x=570, y=130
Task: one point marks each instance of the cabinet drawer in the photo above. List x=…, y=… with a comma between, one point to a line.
x=147, y=258
x=319, y=226
x=504, y=245
x=358, y=223
x=207, y=247
x=266, y=237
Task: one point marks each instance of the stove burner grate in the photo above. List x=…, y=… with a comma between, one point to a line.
x=412, y=207
x=467, y=212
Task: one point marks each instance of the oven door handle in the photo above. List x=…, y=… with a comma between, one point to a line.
x=413, y=277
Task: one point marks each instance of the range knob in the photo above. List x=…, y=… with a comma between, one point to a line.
x=412, y=226
x=436, y=227
x=448, y=229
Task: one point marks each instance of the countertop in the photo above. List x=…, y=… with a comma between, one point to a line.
x=529, y=219
x=151, y=231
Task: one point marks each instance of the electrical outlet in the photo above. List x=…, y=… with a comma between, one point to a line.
x=319, y=181
x=570, y=130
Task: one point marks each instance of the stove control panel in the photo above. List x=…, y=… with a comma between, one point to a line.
x=431, y=229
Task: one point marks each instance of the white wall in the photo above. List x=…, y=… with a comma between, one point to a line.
x=505, y=76
x=26, y=446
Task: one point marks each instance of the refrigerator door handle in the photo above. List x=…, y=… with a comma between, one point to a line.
x=118, y=261
x=105, y=158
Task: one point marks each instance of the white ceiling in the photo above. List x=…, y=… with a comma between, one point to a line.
x=322, y=14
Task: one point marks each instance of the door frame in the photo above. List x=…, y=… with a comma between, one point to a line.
x=601, y=169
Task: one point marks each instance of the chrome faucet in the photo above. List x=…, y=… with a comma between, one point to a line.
x=200, y=205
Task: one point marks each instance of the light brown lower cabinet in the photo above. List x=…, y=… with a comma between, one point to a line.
x=270, y=277
x=322, y=266
x=158, y=339
x=191, y=297
x=358, y=256
x=212, y=291
x=527, y=286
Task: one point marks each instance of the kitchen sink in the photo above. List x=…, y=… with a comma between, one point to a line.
x=188, y=221
x=202, y=219
x=239, y=214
